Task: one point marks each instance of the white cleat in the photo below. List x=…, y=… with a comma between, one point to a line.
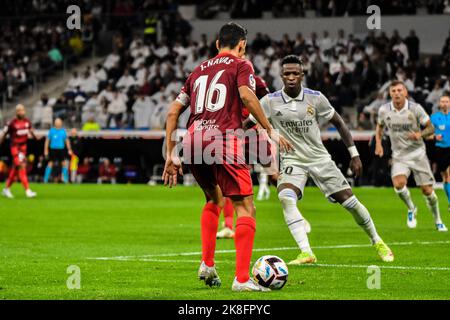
x=7, y=193
x=411, y=221
x=30, y=194
x=250, y=285
x=209, y=275
x=225, y=233
x=441, y=227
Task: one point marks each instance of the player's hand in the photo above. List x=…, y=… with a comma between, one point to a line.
x=439, y=137
x=415, y=136
x=283, y=143
x=356, y=166
x=171, y=170
x=71, y=153
x=379, y=150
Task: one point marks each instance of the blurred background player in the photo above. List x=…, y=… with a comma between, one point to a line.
x=441, y=123
x=227, y=232
x=403, y=119
x=296, y=112
x=55, y=150
x=230, y=79
x=18, y=130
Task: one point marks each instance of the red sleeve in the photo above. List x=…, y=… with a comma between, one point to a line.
x=246, y=75
x=185, y=94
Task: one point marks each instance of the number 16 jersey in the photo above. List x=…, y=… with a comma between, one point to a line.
x=212, y=93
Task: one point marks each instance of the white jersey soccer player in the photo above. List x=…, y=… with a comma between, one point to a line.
x=296, y=111
x=403, y=119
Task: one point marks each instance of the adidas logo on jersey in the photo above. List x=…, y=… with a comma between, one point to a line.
x=279, y=114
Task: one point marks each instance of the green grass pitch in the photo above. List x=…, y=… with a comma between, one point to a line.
x=149, y=229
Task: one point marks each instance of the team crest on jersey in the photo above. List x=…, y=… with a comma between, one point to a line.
x=252, y=82
x=410, y=117
x=310, y=110
x=442, y=127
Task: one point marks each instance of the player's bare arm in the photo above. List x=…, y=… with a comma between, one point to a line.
x=3, y=135
x=69, y=147
x=173, y=164
x=427, y=132
x=46, y=147
x=346, y=136
x=254, y=107
x=378, y=138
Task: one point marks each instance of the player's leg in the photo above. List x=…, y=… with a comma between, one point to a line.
x=400, y=174
x=334, y=185
x=205, y=176
x=446, y=180
x=288, y=194
x=65, y=170
x=228, y=213
x=291, y=184
x=424, y=178
x=48, y=171
x=432, y=202
x=363, y=218
x=12, y=173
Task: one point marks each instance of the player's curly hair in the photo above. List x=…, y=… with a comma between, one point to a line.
x=292, y=59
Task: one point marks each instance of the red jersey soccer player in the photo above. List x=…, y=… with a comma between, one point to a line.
x=216, y=92
x=18, y=130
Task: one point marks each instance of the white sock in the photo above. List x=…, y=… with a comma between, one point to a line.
x=362, y=217
x=294, y=218
x=405, y=195
x=433, y=204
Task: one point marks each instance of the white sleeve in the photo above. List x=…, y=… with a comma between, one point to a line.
x=381, y=114
x=265, y=104
x=422, y=115
x=324, y=109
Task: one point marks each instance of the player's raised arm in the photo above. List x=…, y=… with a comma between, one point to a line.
x=173, y=165
x=346, y=136
x=254, y=107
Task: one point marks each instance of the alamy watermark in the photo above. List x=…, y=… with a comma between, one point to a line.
x=374, y=278
x=374, y=20
x=74, y=20
x=74, y=280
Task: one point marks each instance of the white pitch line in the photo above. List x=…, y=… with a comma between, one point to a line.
x=344, y=246
x=308, y=265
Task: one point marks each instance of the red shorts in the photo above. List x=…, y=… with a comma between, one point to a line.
x=19, y=154
x=233, y=179
x=229, y=172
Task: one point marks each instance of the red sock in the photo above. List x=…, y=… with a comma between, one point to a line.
x=245, y=234
x=210, y=223
x=228, y=213
x=23, y=177
x=11, y=177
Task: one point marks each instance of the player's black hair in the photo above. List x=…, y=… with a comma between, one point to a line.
x=292, y=59
x=230, y=35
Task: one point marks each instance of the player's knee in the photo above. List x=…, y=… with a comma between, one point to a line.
x=288, y=196
x=428, y=191
x=399, y=186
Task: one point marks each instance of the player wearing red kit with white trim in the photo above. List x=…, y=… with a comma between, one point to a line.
x=18, y=130
x=216, y=92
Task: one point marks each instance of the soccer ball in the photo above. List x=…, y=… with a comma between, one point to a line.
x=270, y=272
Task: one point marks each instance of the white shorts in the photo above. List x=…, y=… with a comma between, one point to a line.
x=326, y=176
x=420, y=168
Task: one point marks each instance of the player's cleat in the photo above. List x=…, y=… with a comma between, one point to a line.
x=303, y=258
x=209, y=275
x=7, y=193
x=250, y=285
x=412, y=219
x=384, y=252
x=225, y=233
x=441, y=227
x=30, y=194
